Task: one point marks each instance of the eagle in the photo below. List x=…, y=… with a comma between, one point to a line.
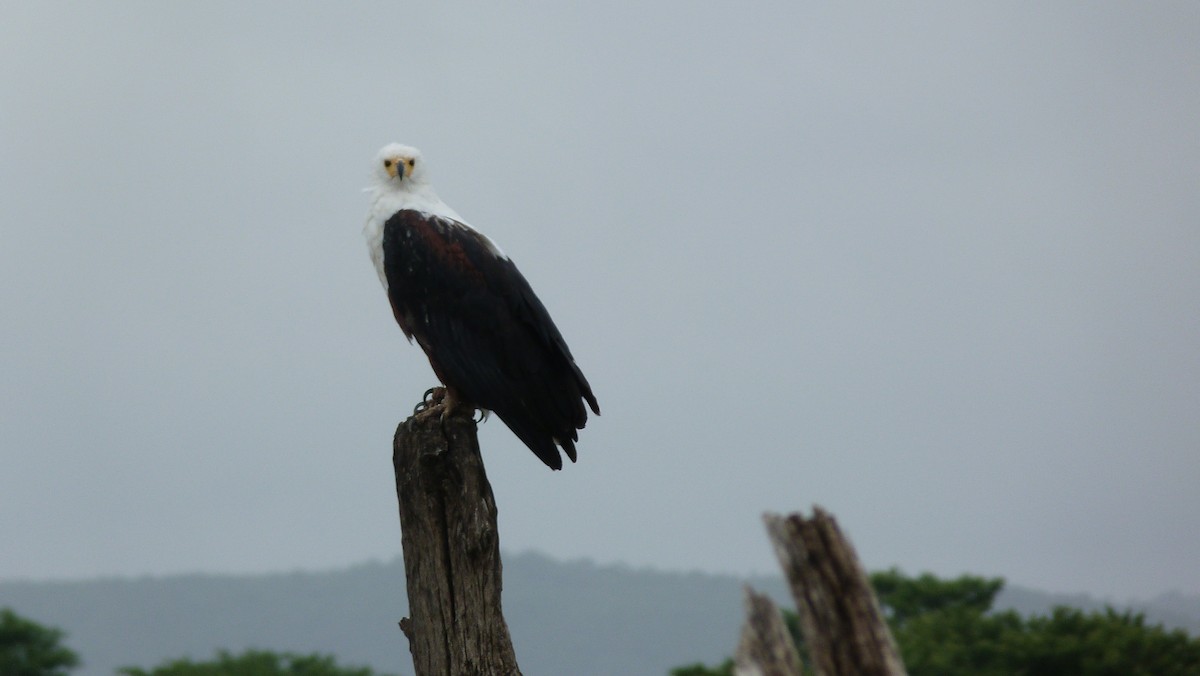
x=490, y=340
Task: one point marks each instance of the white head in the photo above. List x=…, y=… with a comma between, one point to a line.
x=400, y=181
x=399, y=167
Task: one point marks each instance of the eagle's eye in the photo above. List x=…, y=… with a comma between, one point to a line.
x=412, y=163
x=387, y=164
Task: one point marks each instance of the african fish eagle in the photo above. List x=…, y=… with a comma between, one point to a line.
x=489, y=339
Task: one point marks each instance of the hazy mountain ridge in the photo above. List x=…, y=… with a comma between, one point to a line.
x=565, y=617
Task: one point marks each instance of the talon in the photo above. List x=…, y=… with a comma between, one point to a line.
x=431, y=399
x=428, y=412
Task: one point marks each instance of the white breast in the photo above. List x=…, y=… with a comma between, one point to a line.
x=373, y=232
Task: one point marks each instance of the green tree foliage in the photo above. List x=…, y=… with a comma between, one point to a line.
x=946, y=628
x=29, y=649
x=699, y=669
x=252, y=663
x=942, y=627
x=1106, y=644
x=904, y=598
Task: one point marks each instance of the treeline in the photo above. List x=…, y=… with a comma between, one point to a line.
x=944, y=627
x=948, y=628
x=30, y=649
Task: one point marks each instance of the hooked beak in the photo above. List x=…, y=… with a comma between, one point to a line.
x=395, y=168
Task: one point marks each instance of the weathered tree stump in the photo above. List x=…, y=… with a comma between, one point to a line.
x=766, y=648
x=844, y=629
x=451, y=551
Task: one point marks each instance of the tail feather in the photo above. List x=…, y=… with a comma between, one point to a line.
x=542, y=444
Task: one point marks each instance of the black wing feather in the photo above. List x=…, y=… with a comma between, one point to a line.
x=487, y=335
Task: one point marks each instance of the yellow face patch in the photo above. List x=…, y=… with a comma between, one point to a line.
x=399, y=166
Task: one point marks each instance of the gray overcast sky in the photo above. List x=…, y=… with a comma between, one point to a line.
x=934, y=267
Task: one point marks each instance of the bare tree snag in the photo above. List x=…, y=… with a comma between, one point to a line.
x=844, y=629
x=766, y=648
x=451, y=551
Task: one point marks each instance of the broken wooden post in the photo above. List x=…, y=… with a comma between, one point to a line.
x=766, y=648
x=843, y=627
x=451, y=550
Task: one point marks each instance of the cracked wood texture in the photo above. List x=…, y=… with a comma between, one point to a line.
x=451, y=551
x=843, y=626
x=766, y=648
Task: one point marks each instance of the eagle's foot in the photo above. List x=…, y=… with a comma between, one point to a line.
x=431, y=402
x=451, y=405
x=442, y=404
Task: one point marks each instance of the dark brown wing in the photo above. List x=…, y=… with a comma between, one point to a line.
x=487, y=335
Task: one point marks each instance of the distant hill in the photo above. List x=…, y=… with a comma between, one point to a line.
x=566, y=617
